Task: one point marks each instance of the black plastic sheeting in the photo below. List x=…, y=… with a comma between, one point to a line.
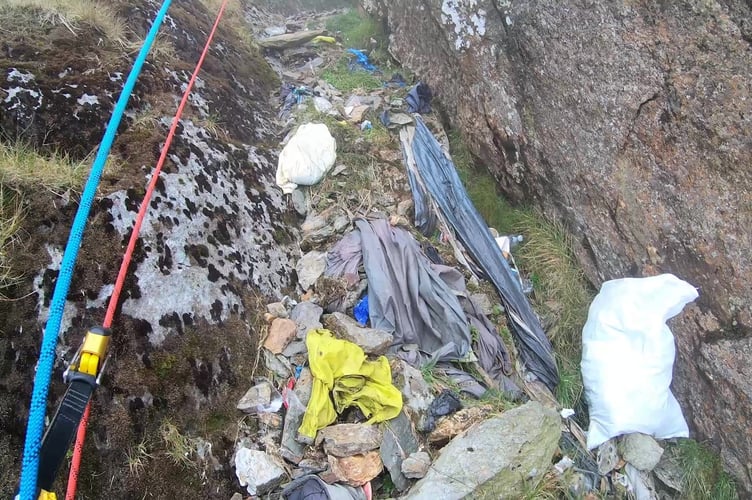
x=439, y=176
x=425, y=218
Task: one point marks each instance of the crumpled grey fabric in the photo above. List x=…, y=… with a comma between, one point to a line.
x=407, y=297
x=492, y=354
x=440, y=177
x=312, y=487
x=345, y=257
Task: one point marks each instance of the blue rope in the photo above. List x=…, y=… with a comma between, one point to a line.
x=38, y=407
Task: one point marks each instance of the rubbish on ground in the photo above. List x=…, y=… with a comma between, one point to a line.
x=361, y=311
x=261, y=398
x=394, y=120
x=323, y=105
x=506, y=243
x=371, y=340
x=640, y=484
x=419, y=99
x=292, y=450
x=343, y=378
x=425, y=219
x=356, y=114
x=563, y=465
x=452, y=425
x=398, y=443
x=312, y=487
x=640, y=450
x=306, y=158
x=356, y=470
x=257, y=471
x=324, y=39
x=566, y=413
x=416, y=465
x=344, y=440
x=275, y=30
x=502, y=457
x=441, y=180
x=397, y=80
x=309, y=267
x=362, y=59
x=366, y=125
x=407, y=297
x=444, y=404
x=290, y=40
x=281, y=333
x=628, y=356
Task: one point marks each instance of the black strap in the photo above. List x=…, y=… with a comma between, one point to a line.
x=60, y=433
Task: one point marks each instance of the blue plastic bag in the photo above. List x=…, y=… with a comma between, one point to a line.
x=361, y=311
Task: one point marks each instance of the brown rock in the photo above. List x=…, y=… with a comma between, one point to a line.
x=644, y=161
x=344, y=440
x=452, y=425
x=371, y=340
x=269, y=317
x=356, y=470
x=281, y=333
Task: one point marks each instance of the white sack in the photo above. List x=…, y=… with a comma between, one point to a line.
x=308, y=156
x=628, y=355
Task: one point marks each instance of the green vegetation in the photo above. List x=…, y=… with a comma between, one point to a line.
x=347, y=81
x=11, y=215
x=561, y=293
x=73, y=14
x=178, y=447
x=356, y=30
x=23, y=167
x=704, y=477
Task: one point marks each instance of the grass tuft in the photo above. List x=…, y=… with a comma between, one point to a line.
x=137, y=458
x=11, y=216
x=23, y=167
x=704, y=477
x=72, y=14
x=347, y=81
x=179, y=448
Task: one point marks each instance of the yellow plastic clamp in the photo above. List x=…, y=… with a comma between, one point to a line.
x=47, y=495
x=92, y=352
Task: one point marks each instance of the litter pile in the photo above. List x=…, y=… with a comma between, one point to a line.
x=387, y=372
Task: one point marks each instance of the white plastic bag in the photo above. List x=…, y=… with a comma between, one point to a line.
x=628, y=355
x=308, y=156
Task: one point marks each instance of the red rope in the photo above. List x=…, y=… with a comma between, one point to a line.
x=81, y=434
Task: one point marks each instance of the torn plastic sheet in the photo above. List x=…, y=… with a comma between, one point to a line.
x=440, y=178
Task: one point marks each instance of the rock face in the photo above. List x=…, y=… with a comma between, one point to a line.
x=624, y=122
x=496, y=458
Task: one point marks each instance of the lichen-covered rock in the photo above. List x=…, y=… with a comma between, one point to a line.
x=257, y=471
x=497, y=458
x=344, y=440
x=371, y=340
x=621, y=120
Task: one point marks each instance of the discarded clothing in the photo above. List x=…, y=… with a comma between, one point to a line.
x=440, y=178
x=407, y=297
x=362, y=59
x=444, y=404
x=345, y=257
x=312, y=487
x=325, y=39
x=342, y=377
x=291, y=95
x=419, y=99
x=361, y=311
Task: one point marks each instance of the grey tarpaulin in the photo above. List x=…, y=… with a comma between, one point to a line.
x=312, y=487
x=425, y=218
x=442, y=182
x=405, y=295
